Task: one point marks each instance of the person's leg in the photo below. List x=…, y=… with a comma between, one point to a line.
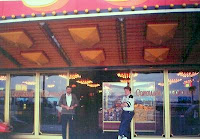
x=59, y=117
x=64, y=125
x=121, y=127
x=128, y=117
x=71, y=127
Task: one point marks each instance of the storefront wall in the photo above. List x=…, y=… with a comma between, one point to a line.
x=170, y=111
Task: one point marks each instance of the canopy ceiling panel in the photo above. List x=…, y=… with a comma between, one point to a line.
x=94, y=56
x=108, y=41
x=17, y=38
x=159, y=33
x=38, y=57
x=41, y=42
x=5, y=62
x=194, y=57
x=85, y=36
x=136, y=42
x=155, y=54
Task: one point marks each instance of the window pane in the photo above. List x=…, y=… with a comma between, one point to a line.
x=113, y=93
x=22, y=103
x=148, y=93
x=91, y=116
x=51, y=88
x=2, y=96
x=184, y=100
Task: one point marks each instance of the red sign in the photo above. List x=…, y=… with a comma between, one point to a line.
x=27, y=7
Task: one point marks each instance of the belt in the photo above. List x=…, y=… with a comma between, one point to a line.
x=128, y=111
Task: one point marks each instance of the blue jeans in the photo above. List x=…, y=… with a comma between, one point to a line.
x=124, y=127
x=64, y=119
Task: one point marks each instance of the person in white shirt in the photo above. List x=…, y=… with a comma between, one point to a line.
x=68, y=102
x=127, y=113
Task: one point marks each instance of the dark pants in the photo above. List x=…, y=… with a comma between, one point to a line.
x=124, y=127
x=64, y=119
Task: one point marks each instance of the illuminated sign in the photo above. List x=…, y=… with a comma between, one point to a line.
x=21, y=87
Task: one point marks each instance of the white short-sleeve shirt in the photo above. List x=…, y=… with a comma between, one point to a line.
x=130, y=101
x=68, y=99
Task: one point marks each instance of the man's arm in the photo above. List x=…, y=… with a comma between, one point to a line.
x=61, y=103
x=76, y=103
x=124, y=105
x=129, y=103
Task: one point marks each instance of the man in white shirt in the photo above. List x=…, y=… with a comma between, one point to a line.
x=68, y=102
x=127, y=114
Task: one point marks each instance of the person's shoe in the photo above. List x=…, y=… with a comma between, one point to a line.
x=124, y=137
x=119, y=137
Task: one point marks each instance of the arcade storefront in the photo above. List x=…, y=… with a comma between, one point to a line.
x=99, y=47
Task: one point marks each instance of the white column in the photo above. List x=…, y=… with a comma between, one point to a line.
x=167, y=119
x=37, y=105
x=7, y=100
x=132, y=121
x=67, y=84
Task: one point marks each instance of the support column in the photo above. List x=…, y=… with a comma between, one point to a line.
x=167, y=106
x=133, y=120
x=7, y=100
x=37, y=105
x=67, y=84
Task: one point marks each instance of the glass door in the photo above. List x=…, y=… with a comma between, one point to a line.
x=52, y=86
x=148, y=90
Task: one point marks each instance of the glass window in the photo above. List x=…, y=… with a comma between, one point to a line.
x=86, y=116
x=184, y=101
x=148, y=93
x=90, y=88
x=2, y=95
x=51, y=88
x=22, y=103
x=113, y=93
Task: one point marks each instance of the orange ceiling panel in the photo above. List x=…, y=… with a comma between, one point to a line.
x=17, y=38
x=160, y=33
x=93, y=56
x=86, y=36
x=38, y=57
x=155, y=54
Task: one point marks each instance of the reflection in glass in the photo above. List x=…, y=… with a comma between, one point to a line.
x=51, y=89
x=113, y=93
x=148, y=96
x=184, y=101
x=90, y=116
x=2, y=96
x=22, y=103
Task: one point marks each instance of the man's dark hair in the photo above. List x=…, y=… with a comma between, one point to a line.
x=68, y=87
x=127, y=87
